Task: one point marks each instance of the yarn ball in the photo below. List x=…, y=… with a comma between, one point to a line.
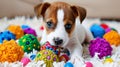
x=97, y=30
x=25, y=27
x=101, y=46
x=29, y=42
x=30, y=31
x=103, y=25
x=6, y=35
x=112, y=37
x=47, y=56
x=16, y=30
x=25, y=61
x=68, y=64
x=10, y=51
x=89, y=64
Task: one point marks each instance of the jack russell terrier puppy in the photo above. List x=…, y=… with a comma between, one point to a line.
x=63, y=26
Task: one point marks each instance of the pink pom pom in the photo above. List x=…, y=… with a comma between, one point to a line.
x=89, y=64
x=25, y=61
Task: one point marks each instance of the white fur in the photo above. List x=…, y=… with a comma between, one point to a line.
x=74, y=42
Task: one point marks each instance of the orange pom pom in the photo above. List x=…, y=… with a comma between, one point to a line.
x=10, y=51
x=16, y=30
x=112, y=37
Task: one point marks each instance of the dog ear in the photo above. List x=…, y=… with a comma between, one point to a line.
x=79, y=11
x=41, y=8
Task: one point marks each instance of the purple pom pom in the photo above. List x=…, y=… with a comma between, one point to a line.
x=30, y=31
x=101, y=46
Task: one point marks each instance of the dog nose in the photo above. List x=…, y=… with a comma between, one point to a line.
x=58, y=41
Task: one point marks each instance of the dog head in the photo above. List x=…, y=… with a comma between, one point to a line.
x=59, y=20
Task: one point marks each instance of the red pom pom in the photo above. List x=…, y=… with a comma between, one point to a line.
x=103, y=25
x=42, y=28
x=64, y=57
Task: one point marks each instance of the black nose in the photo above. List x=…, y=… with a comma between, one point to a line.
x=58, y=41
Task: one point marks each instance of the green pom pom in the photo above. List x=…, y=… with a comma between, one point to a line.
x=29, y=42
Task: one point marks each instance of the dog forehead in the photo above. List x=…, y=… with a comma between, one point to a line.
x=60, y=15
x=51, y=12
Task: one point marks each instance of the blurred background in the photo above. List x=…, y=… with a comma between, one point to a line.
x=109, y=9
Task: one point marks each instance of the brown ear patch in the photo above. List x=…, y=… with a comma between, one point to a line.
x=79, y=11
x=41, y=8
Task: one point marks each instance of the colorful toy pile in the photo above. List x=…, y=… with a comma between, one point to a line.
x=29, y=42
x=99, y=30
x=10, y=51
x=50, y=54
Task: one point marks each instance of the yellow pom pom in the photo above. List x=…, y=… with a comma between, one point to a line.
x=108, y=60
x=47, y=56
x=16, y=30
x=10, y=51
x=112, y=37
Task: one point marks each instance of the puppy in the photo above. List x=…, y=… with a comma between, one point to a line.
x=62, y=23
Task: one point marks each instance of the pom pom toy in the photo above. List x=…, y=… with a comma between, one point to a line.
x=62, y=53
x=10, y=51
x=16, y=30
x=68, y=64
x=101, y=46
x=25, y=61
x=29, y=42
x=48, y=57
x=25, y=27
x=32, y=57
x=107, y=30
x=103, y=25
x=108, y=59
x=97, y=31
x=42, y=28
x=64, y=57
x=50, y=47
x=6, y=35
x=89, y=64
x=113, y=29
x=30, y=31
x=112, y=37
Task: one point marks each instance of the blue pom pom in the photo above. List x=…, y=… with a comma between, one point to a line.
x=32, y=57
x=6, y=35
x=25, y=27
x=68, y=64
x=97, y=31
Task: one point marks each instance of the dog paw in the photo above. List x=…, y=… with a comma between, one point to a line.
x=77, y=60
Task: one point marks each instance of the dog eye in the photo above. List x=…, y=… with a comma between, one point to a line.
x=49, y=24
x=68, y=26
